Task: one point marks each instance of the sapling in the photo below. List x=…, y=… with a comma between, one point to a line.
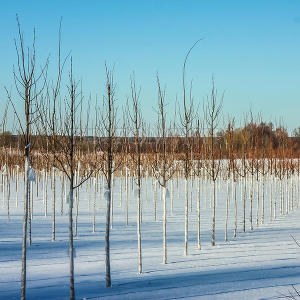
x=163, y=166
x=212, y=116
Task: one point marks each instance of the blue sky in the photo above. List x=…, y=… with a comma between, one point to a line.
x=251, y=47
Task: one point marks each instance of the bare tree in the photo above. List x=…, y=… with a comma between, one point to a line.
x=136, y=122
x=212, y=116
x=61, y=127
x=198, y=171
x=186, y=119
x=27, y=85
x=163, y=166
x=109, y=162
x=242, y=171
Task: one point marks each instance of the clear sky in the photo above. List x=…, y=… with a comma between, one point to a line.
x=251, y=47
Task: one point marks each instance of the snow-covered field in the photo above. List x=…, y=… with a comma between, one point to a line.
x=258, y=264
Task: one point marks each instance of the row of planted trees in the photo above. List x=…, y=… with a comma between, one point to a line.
x=55, y=137
x=251, y=175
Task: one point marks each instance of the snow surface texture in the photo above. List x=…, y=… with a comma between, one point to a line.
x=262, y=264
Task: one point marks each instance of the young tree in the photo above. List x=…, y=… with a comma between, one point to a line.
x=198, y=172
x=109, y=163
x=242, y=171
x=136, y=121
x=61, y=127
x=29, y=90
x=186, y=119
x=164, y=164
x=212, y=116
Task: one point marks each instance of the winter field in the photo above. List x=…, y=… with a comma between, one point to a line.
x=260, y=264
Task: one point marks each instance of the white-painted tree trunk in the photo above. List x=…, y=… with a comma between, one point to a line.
x=251, y=203
x=258, y=202
x=199, y=215
x=24, y=237
x=172, y=197
x=155, y=198
x=112, y=202
x=244, y=203
x=139, y=232
x=94, y=206
x=213, y=242
x=263, y=201
x=3, y=188
x=31, y=198
x=227, y=209
x=121, y=189
x=71, y=246
x=46, y=194
x=287, y=201
x=37, y=184
x=17, y=187
x=186, y=225
x=205, y=193
x=62, y=194
x=271, y=198
x=191, y=192
x=53, y=203
x=88, y=190
x=275, y=200
x=165, y=226
x=235, y=209
x=8, y=199
x=281, y=198
x=146, y=185
x=127, y=194
x=29, y=213
x=77, y=198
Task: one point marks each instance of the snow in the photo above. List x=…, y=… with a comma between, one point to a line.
x=261, y=264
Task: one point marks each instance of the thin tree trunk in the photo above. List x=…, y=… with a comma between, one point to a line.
x=271, y=200
x=24, y=238
x=191, y=193
x=77, y=198
x=112, y=202
x=31, y=198
x=94, y=206
x=71, y=248
x=235, y=209
x=126, y=188
x=258, y=200
x=172, y=197
x=244, y=204
x=155, y=198
x=281, y=198
x=53, y=203
x=8, y=200
x=227, y=206
x=29, y=213
x=251, y=202
x=139, y=231
x=263, y=201
x=107, y=233
x=287, y=201
x=121, y=190
x=199, y=215
x=275, y=201
x=213, y=242
x=165, y=225
x=186, y=218
x=46, y=193
x=62, y=195
x=17, y=187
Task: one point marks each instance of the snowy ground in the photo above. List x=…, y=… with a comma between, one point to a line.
x=262, y=264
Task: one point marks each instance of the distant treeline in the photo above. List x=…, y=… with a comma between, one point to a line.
x=253, y=139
